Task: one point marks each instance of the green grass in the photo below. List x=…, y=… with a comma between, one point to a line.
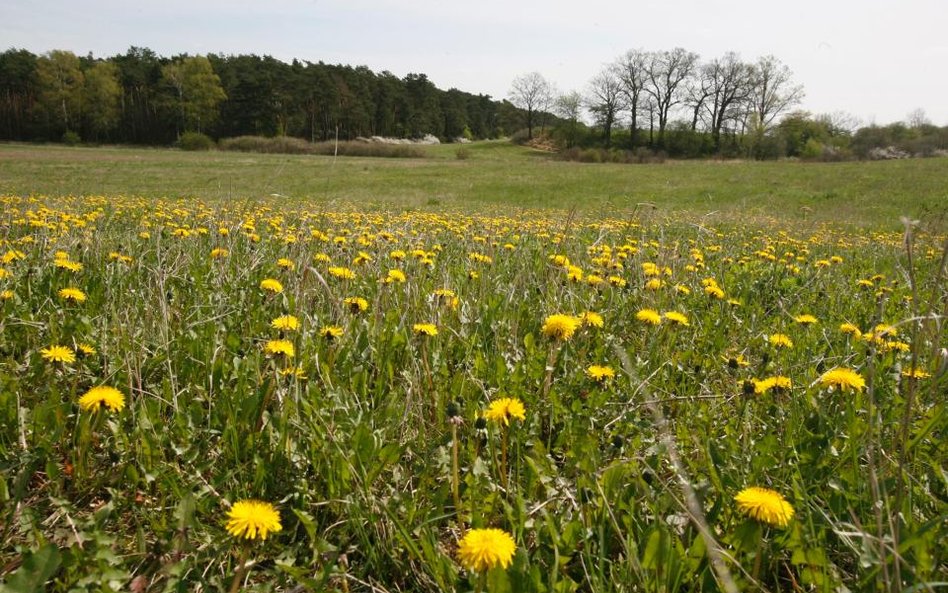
x=501, y=175
x=603, y=486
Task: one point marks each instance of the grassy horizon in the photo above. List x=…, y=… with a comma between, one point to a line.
x=497, y=174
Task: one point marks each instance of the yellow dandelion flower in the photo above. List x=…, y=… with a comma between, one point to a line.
x=219, y=253
x=600, y=373
x=83, y=349
x=591, y=319
x=915, y=373
x=6, y=295
x=331, y=332
x=843, y=379
x=676, y=318
x=714, y=291
x=285, y=263
x=395, y=276
x=425, y=329
x=271, y=285
x=483, y=549
x=561, y=327
x=780, y=341
x=58, y=354
x=253, y=519
x=649, y=316
x=341, y=273
x=653, y=284
x=765, y=505
x=505, y=408
x=280, y=348
x=851, y=329
x=356, y=304
x=72, y=294
x=285, y=323
x=805, y=319
x=102, y=396
x=4, y=273
x=777, y=383
x=65, y=264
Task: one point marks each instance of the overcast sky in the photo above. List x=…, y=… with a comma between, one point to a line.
x=875, y=59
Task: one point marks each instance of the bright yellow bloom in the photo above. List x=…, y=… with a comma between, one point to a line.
x=4, y=273
x=425, y=329
x=780, y=341
x=649, y=316
x=913, y=373
x=394, y=276
x=280, y=348
x=253, y=519
x=778, y=382
x=505, y=408
x=271, y=285
x=72, y=294
x=600, y=373
x=356, y=304
x=676, y=318
x=843, y=379
x=83, y=349
x=102, y=396
x=482, y=549
x=219, y=252
x=341, y=273
x=285, y=323
x=851, y=329
x=58, y=354
x=591, y=319
x=561, y=327
x=285, y=263
x=805, y=319
x=65, y=264
x=653, y=284
x=331, y=332
x=714, y=291
x=765, y=505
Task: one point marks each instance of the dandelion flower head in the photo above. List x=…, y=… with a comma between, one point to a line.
x=765, y=505
x=482, y=549
x=561, y=327
x=843, y=379
x=253, y=519
x=505, y=408
x=102, y=396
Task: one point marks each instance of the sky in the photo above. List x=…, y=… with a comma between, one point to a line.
x=876, y=60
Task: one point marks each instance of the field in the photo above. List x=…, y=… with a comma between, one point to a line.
x=676, y=377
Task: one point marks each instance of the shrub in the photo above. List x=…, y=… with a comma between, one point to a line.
x=462, y=154
x=71, y=138
x=195, y=141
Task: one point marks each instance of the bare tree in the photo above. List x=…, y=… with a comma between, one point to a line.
x=772, y=92
x=666, y=73
x=696, y=92
x=569, y=106
x=605, y=100
x=917, y=118
x=729, y=82
x=632, y=68
x=532, y=93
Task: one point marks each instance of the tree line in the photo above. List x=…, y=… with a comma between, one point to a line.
x=140, y=97
x=673, y=102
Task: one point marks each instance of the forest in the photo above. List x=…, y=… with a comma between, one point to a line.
x=643, y=106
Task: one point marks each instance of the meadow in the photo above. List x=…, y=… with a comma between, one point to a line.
x=225, y=372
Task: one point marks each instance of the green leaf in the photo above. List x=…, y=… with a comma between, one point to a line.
x=37, y=568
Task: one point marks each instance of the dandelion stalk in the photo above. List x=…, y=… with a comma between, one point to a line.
x=456, y=473
x=241, y=570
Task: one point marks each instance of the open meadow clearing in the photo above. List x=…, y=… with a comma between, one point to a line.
x=500, y=373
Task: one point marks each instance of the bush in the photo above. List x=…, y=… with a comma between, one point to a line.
x=71, y=138
x=195, y=141
x=462, y=154
x=291, y=145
